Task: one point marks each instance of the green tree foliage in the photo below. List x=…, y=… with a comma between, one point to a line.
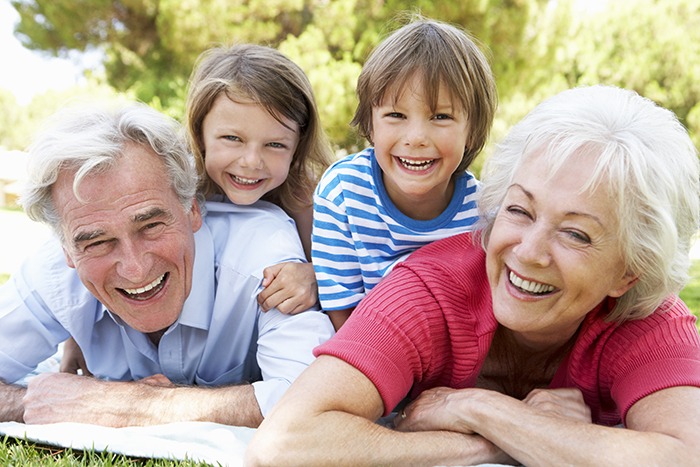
x=537, y=47
x=150, y=45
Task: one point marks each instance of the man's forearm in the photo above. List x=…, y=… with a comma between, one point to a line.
x=62, y=397
x=230, y=405
x=11, y=408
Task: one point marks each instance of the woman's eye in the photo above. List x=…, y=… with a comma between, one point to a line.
x=579, y=236
x=517, y=211
x=231, y=137
x=277, y=145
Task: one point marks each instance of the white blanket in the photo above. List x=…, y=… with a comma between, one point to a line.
x=198, y=441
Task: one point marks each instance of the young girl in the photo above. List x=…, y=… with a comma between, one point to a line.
x=254, y=129
x=427, y=99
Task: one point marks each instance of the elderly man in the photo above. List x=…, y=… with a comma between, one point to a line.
x=158, y=290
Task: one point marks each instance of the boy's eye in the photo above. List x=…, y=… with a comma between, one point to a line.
x=394, y=115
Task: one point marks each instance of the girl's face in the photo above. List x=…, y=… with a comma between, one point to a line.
x=247, y=151
x=419, y=149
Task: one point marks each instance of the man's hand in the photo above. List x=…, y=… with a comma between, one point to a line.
x=62, y=397
x=289, y=287
x=73, y=360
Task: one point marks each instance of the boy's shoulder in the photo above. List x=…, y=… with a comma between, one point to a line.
x=357, y=161
x=351, y=170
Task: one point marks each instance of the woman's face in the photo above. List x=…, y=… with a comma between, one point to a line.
x=553, y=253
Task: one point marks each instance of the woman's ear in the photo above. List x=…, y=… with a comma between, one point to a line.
x=625, y=283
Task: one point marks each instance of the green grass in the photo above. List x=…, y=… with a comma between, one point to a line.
x=15, y=452
x=691, y=293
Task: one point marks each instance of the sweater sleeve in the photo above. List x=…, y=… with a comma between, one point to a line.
x=651, y=354
x=387, y=338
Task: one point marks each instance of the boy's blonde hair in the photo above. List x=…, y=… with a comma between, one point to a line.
x=267, y=77
x=441, y=54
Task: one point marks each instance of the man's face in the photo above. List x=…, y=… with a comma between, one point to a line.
x=130, y=239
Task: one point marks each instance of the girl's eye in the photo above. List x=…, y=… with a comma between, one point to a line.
x=231, y=137
x=442, y=117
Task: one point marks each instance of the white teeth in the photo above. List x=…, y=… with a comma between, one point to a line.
x=530, y=286
x=245, y=181
x=416, y=165
x=146, y=288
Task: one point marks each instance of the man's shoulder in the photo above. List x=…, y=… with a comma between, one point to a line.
x=259, y=234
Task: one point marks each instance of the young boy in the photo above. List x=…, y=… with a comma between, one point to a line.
x=427, y=99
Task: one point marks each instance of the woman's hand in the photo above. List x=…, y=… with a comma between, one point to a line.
x=289, y=287
x=563, y=402
x=437, y=409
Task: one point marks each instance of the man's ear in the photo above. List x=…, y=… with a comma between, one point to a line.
x=195, y=216
x=69, y=260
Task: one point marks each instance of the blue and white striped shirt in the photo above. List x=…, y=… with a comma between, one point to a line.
x=359, y=235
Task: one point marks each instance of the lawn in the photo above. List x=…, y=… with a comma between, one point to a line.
x=691, y=293
x=20, y=453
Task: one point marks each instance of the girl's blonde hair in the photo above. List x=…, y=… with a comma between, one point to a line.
x=270, y=79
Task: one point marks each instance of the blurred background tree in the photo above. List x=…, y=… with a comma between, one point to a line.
x=537, y=48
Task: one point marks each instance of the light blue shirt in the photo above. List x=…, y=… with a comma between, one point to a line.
x=221, y=337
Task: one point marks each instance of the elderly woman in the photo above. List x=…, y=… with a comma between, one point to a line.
x=531, y=340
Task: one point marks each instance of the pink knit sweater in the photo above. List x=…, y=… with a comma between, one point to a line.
x=430, y=323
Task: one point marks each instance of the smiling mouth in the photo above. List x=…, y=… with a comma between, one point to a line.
x=147, y=291
x=530, y=287
x=416, y=166
x=245, y=181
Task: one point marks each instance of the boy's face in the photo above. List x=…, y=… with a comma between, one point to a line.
x=417, y=149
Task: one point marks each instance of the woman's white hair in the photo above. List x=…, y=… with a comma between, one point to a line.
x=646, y=160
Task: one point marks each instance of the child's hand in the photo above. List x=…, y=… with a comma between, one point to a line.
x=289, y=287
x=73, y=360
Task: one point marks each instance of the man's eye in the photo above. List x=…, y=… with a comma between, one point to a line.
x=153, y=225
x=97, y=246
